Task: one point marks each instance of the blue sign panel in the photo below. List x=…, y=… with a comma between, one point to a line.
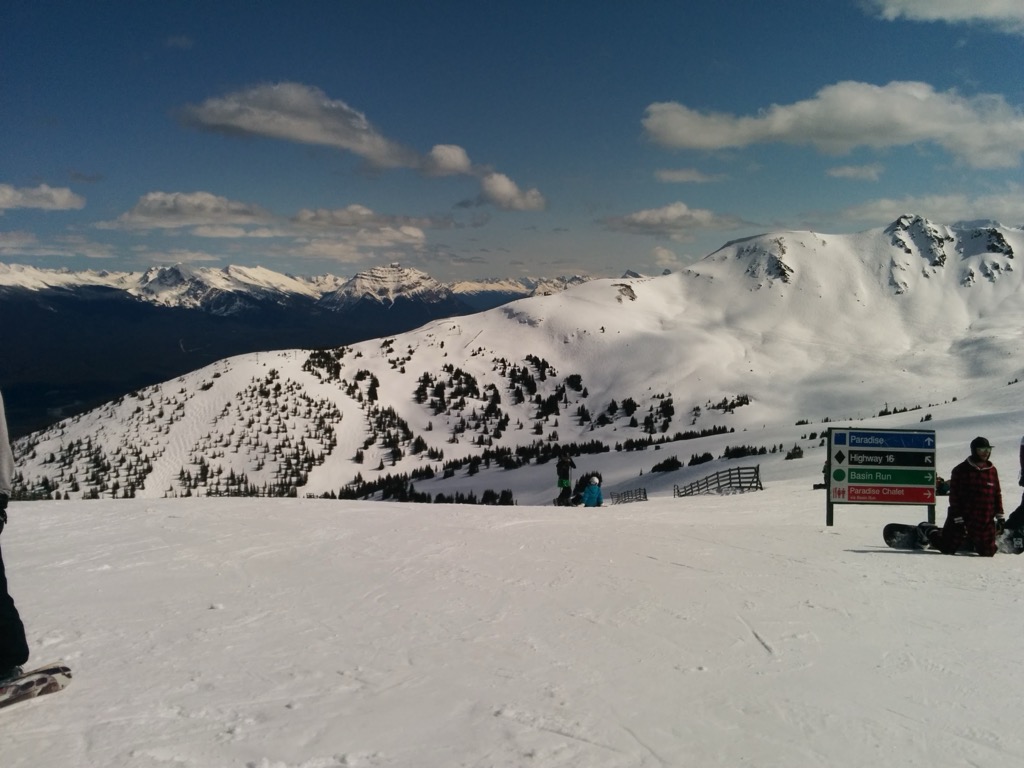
x=882, y=440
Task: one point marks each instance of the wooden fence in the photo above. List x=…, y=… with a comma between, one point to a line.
x=736, y=479
x=624, y=497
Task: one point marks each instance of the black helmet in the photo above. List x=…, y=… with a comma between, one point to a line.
x=979, y=442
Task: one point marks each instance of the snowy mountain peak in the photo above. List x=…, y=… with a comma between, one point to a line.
x=385, y=284
x=911, y=254
x=762, y=259
x=222, y=291
x=917, y=235
x=156, y=279
x=20, y=276
x=234, y=288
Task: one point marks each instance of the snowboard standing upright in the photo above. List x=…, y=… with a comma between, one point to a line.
x=49, y=678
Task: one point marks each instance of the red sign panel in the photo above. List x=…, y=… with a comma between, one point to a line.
x=882, y=494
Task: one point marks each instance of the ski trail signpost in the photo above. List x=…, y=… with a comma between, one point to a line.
x=880, y=466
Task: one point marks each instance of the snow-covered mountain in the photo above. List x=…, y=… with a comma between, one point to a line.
x=222, y=291
x=756, y=341
x=386, y=285
x=234, y=289
x=710, y=631
x=386, y=296
x=714, y=631
x=116, y=331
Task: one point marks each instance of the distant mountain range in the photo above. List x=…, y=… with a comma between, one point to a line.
x=731, y=355
x=78, y=339
x=235, y=290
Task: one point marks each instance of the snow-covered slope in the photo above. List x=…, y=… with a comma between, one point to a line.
x=115, y=332
x=885, y=313
x=708, y=631
x=755, y=341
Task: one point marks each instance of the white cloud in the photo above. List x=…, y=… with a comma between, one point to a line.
x=304, y=114
x=685, y=176
x=231, y=232
x=173, y=210
x=354, y=234
x=870, y=172
x=362, y=244
x=330, y=250
x=676, y=221
x=20, y=244
x=352, y=216
x=76, y=245
x=359, y=216
x=177, y=256
x=983, y=131
x=346, y=234
x=665, y=258
x=447, y=160
x=1007, y=207
x=43, y=197
x=389, y=237
x=17, y=239
x=1006, y=15
x=501, y=191
x=300, y=113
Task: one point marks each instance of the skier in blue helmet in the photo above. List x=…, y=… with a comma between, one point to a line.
x=592, y=493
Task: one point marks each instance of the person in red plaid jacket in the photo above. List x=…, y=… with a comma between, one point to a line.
x=975, y=505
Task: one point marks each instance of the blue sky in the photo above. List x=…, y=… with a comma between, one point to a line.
x=486, y=139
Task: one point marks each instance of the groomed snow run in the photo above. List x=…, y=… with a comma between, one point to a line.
x=715, y=631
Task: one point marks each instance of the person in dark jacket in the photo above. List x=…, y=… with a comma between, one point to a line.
x=975, y=505
x=13, y=645
x=564, y=469
x=1015, y=521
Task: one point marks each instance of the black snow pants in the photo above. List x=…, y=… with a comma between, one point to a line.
x=13, y=645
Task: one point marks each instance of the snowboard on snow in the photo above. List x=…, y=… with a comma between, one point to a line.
x=904, y=536
x=41, y=681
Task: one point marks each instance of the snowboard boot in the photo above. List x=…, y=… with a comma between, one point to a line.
x=9, y=674
x=929, y=534
x=1011, y=541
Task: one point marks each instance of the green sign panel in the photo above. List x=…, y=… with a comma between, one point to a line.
x=872, y=476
